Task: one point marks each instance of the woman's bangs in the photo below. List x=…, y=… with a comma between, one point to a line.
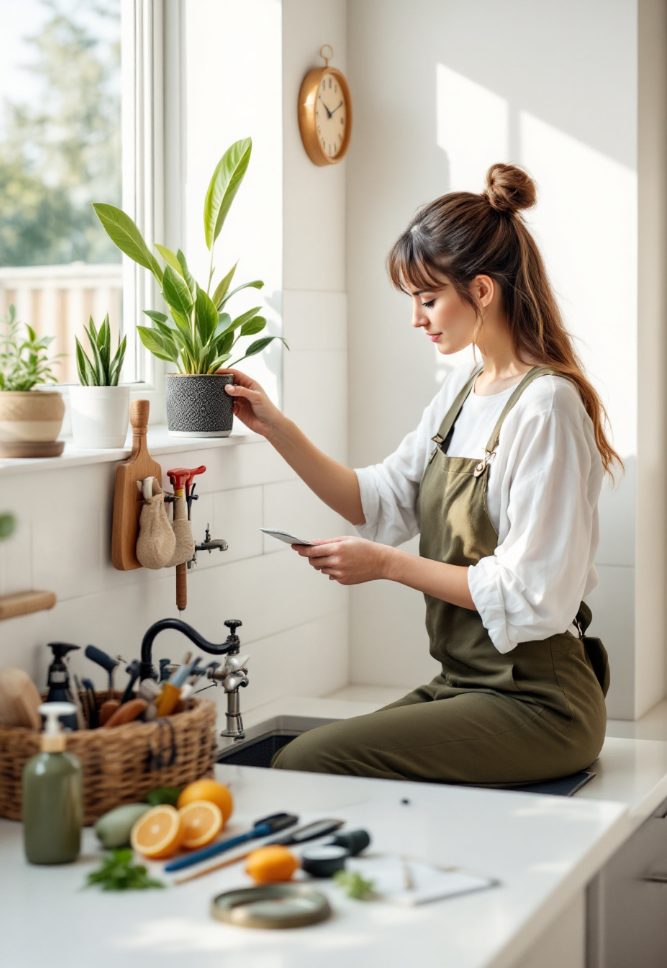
x=408, y=269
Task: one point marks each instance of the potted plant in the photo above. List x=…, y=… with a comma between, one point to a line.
x=100, y=408
x=201, y=336
x=29, y=422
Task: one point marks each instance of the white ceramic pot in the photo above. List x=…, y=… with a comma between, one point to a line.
x=33, y=416
x=100, y=416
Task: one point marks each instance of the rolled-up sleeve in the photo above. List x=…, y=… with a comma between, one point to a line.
x=532, y=585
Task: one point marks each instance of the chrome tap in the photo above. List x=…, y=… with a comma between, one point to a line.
x=232, y=673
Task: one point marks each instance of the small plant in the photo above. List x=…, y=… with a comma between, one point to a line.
x=103, y=371
x=200, y=336
x=118, y=872
x=354, y=885
x=24, y=362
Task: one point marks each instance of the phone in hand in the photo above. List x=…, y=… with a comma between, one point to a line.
x=285, y=536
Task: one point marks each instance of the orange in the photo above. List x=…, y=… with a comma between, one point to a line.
x=269, y=864
x=201, y=822
x=157, y=833
x=208, y=790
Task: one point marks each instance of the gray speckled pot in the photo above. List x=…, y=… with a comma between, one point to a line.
x=198, y=406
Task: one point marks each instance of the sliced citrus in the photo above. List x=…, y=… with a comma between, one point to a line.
x=208, y=790
x=266, y=865
x=201, y=822
x=158, y=833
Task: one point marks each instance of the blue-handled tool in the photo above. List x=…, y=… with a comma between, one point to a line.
x=263, y=828
x=93, y=717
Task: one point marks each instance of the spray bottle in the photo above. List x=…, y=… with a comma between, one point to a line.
x=53, y=794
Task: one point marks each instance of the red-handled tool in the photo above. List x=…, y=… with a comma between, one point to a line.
x=181, y=480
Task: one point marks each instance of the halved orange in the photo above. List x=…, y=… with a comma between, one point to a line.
x=201, y=822
x=157, y=834
x=209, y=790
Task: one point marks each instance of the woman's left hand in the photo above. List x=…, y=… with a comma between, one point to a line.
x=349, y=561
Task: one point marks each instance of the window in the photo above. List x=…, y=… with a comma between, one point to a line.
x=80, y=121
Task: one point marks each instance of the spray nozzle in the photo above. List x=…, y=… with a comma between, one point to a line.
x=60, y=649
x=53, y=738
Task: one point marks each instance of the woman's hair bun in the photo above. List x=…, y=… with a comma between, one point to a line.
x=509, y=188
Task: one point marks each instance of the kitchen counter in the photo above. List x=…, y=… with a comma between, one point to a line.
x=544, y=850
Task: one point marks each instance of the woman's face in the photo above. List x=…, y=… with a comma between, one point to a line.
x=447, y=320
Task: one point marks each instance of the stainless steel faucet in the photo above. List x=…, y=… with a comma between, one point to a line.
x=233, y=675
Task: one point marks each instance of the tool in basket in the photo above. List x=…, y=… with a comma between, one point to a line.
x=109, y=664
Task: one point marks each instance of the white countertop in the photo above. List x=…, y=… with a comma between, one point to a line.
x=543, y=850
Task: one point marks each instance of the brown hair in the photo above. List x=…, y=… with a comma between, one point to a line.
x=461, y=235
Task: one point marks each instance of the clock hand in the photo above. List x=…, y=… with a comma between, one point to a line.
x=331, y=113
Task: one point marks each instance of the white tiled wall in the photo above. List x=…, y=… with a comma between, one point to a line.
x=294, y=619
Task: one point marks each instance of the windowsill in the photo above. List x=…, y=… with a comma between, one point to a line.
x=159, y=442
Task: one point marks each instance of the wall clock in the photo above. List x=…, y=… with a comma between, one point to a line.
x=325, y=113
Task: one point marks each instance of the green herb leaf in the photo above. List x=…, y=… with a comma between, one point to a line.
x=118, y=872
x=163, y=794
x=354, y=885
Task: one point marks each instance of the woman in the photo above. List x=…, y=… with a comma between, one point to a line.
x=501, y=478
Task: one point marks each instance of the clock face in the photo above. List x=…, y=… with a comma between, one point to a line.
x=330, y=116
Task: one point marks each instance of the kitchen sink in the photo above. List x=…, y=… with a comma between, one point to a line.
x=263, y=740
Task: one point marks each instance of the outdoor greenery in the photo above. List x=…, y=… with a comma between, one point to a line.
x=24, y=359
x=200, y=336
x=62, y=148
x=103, y=371
x=7, y=525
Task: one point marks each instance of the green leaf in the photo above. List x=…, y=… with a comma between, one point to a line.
x=255, y=284
x=118, y=872
x=104, y=343
x=257, y=347
x=158, y=345
x=253, y=326
x=176, y=293
x=87, y=376
x=206, y=316
x=99, y=365
x=169, y=257
x=192, y=285
x=223, y=286
x=156, y=317
x=117, y=363
x=217, y=362
x=124, y=233
x=223, y=187
x=244, y=318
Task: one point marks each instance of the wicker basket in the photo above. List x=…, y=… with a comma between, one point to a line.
x=120, y=765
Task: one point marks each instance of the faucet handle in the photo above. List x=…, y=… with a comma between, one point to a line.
x=232, y=624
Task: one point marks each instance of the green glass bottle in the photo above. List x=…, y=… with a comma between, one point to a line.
x=53, y=795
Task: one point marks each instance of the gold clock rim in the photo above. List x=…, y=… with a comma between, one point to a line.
x=307, y=99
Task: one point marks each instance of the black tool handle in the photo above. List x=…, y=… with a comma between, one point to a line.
x=93, y=716
x=101, y=658
x=354, y=840
x=320, y=828
x=133, y=671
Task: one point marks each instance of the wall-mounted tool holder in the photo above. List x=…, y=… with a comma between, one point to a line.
x=24, y=603
x=127, y=497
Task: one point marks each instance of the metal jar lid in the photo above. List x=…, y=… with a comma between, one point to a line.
x=271, y=906
x=324, y=860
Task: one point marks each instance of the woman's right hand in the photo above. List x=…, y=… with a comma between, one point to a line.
x=251, y=404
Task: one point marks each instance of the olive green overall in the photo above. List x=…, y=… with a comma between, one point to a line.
x=535, y=713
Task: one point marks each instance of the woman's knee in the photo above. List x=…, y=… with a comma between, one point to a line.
x=316, y=751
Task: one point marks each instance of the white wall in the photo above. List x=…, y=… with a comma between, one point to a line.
x=295, y=621
x=441, y=91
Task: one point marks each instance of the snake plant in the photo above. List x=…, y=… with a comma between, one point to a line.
x=103, y=370
x=200, y=336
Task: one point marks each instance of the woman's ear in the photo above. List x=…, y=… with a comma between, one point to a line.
x=483, y=289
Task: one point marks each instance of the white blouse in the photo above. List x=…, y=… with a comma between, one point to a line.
x=543, y=489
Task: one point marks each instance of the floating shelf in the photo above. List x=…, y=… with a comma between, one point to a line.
x=24, y=603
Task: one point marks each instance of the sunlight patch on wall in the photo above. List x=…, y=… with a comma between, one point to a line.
x=585, y=223
x=472, y=128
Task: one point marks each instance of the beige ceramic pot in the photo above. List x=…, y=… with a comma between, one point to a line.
x=32, y=416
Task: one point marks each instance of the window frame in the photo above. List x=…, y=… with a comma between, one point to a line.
x=150, y=36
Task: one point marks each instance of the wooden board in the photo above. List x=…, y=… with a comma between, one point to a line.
x=24, y=603
x=127, y=499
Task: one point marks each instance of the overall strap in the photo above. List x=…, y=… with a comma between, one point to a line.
x=447, y=424
x=537, y=371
